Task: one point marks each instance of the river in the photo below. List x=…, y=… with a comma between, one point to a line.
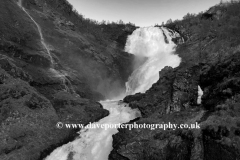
x=96, y=143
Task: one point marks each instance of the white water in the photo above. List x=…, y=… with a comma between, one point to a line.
x=200, y=94
x=96, y=143
x=150, y=42
x=53, y=71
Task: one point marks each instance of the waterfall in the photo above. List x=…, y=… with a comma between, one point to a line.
x=157, y=46
x=152, y=43
x=96, y=143
x=200, y=94
x=54, y=72
x=39, y=31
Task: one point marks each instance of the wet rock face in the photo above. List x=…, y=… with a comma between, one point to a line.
x=169, y=100
x=155, y=148
x=141, y=144
x=154, y=99
x=218, y=135
x=176, y=90
x=185, y=88
x=176, y=37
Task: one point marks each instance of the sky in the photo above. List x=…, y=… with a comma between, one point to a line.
x=140, y=12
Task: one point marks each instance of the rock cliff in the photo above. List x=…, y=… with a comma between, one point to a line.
x=210, y=59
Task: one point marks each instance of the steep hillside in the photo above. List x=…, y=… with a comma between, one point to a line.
x=210, y=59
x=93, y=63
x=39, y=88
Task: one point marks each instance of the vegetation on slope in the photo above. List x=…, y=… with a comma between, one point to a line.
x=210, y=59
x=211, y=35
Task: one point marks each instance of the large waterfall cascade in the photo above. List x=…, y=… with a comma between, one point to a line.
x=156, y=45
x=56, y=73
x=96, y=143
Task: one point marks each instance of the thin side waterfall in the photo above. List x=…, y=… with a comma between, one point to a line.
x=56, y=73
x=200, y=94
x=96, y=143
x=39, y=30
